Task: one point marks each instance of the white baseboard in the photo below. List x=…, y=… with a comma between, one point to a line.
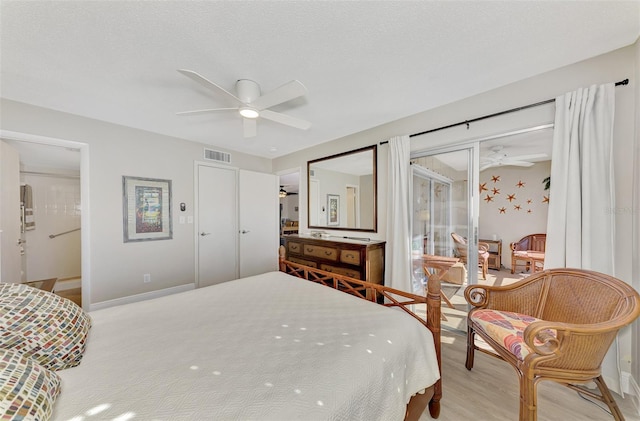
x=68, y=283
x=141, y=297
x=632, y=389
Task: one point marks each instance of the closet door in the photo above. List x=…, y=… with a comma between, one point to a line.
x=237, y=224
x=259, y=238
x=217, y=225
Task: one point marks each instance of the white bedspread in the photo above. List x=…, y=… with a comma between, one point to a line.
x=268, y=347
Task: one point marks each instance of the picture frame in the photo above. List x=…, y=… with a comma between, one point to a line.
x=333, y=209
x=146, y=209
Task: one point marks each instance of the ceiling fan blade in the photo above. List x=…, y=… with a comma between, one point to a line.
x=527, y=157
x=249, y=127
x=205, y=111
x=284, y=93
x=516, y=163
x=207, y=83
x=285, y=119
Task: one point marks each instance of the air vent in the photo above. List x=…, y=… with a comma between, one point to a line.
x=218, y=156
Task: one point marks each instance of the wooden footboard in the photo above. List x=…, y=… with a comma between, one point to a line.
x=387, y=297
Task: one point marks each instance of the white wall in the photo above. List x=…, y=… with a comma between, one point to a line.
x=117, y=268
x=56, y=209
x=510, y=220
x=290, y=207
x=611, y=67
x=635, y=212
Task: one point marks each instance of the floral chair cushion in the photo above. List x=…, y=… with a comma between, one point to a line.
x=507, y=328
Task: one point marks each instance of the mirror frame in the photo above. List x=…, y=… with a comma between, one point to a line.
x=374, y=149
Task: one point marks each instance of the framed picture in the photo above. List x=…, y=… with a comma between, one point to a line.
x=146, y=209
x=333, y=206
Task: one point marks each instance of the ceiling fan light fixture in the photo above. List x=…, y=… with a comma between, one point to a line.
x=249, y=112
x=282, y=193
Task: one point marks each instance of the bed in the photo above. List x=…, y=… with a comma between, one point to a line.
x=267, y=347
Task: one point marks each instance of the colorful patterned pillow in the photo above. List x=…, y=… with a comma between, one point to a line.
x=43, y=326
x=27, y=390
x=507, y=328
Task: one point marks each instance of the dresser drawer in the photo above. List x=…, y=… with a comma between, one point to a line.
x=351, y=257
x=351, y=273
x=294, y=248
x=303, y=262
x=321, y=252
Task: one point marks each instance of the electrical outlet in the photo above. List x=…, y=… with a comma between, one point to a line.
x=147, y=277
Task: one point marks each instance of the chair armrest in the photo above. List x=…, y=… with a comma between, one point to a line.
x=502, y=298
x=483, y=247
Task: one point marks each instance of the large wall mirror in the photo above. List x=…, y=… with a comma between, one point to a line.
x=342, y=191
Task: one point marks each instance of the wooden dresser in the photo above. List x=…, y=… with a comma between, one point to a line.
x=354, y=258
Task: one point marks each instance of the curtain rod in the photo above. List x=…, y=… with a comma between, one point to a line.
x=524, y=107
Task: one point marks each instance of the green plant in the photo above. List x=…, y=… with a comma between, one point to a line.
x=547, y=183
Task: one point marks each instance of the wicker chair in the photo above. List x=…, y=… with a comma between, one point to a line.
x=554, y=325
x=521, y=248
x=461, y=252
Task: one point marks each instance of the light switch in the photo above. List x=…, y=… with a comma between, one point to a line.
x=182, y=219
x=190, y=219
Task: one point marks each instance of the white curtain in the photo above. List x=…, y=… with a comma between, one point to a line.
x=581, y=222
x=580, y=227
x=398, y=247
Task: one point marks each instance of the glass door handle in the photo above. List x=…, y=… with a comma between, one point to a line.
x=202, y=234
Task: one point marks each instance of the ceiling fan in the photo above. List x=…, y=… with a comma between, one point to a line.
x=285, y=193
x=499, y=158
x=251, y=104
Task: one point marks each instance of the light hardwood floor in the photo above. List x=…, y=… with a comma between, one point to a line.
x=74, y=294
x=490, y=390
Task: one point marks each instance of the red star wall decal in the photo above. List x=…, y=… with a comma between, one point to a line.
x=488, y=199
x=520, y=184
x=528, y=201
x=511, y=197
x=517, y=207
x=529, y=211
x=495, y=191
x=483, y=187
x=495, y=178
x=545, y=199
x=503, y=210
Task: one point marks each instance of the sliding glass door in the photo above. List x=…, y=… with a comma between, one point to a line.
x=445, y=209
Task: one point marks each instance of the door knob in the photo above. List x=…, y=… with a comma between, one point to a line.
x=202, y=234
x=244, y=231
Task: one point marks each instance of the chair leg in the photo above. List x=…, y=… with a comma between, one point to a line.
x=608, y=399
x=470, y=346
x=528, y=399
x=513, y=265
x=485, y=269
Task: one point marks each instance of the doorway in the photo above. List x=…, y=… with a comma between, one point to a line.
x=54, y=234
x=498, y=195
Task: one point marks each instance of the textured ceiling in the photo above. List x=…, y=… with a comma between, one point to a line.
x=364, y=63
